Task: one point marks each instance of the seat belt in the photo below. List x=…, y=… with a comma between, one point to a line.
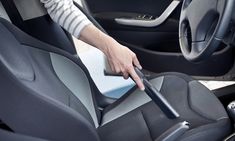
x=89, y=16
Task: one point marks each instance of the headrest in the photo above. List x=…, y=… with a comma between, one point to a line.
x=30, y=9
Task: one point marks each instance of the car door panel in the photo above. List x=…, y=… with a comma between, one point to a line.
x=165, y=34
x=157, y=47
x=152, y=7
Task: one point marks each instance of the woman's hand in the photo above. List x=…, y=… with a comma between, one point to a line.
x=122, y=60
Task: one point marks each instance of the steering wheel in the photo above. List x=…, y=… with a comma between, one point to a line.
x=202, y=26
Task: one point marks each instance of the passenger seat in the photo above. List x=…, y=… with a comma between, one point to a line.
x=48, y=93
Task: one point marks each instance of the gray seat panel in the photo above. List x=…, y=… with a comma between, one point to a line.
x=75, y=79
x=133, y=101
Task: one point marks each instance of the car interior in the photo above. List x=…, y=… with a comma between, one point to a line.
x=48, y=94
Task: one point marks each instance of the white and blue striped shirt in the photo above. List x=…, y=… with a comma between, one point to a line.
x=65, y=13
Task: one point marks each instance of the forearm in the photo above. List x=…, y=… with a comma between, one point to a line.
x=95, y=37
x=120, y=58
x=65, y=13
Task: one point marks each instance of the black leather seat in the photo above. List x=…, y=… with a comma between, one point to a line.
x=49, y=94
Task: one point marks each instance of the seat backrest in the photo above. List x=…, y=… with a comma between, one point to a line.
x=44, y=91
x=35, y=21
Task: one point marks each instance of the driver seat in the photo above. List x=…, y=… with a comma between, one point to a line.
x=47, y=93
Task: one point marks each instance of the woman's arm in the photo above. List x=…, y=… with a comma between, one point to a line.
x=120, y=58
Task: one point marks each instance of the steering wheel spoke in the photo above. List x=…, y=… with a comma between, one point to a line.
x=197, y=48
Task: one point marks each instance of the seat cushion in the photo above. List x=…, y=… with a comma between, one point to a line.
x=135, y=117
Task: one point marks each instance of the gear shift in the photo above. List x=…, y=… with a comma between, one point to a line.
x=231, y=110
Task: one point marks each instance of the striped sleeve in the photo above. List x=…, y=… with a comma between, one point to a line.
x=65, y=13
